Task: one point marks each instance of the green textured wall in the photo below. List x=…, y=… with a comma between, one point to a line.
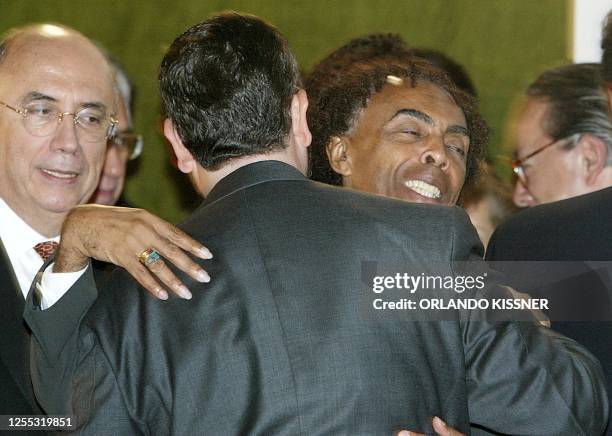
x=502, y=43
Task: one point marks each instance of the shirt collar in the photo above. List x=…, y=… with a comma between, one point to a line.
x=16, y=235
x=253, y=174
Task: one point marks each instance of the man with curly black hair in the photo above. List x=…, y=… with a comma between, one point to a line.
x=398, y=128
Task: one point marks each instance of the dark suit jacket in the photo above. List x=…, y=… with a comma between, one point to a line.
x=284, y=339
x=16, y=394
x=574, y=230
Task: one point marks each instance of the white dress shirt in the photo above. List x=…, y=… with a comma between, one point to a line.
x=19, y=240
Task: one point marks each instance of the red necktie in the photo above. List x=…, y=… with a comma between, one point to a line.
x=46, y=249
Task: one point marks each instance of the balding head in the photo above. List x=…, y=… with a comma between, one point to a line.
x=44, y=173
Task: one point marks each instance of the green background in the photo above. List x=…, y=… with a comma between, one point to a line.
x=503, y=44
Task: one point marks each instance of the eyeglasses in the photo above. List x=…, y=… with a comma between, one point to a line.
x=128, y=143
x=518, y=167
x=43, y=118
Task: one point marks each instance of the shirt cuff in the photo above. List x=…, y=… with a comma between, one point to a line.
x=53, y=285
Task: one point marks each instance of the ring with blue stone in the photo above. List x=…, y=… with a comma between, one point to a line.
x=149, y=257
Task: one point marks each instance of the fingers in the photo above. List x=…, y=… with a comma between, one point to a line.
x=173, y=254
x=167, y=277
x=120, y=235
x=439, y=426
x=184, y=241
x=146, y=280
x=442, y=429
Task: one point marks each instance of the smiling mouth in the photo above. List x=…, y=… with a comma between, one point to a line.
x=65, y=175
x=424, y=189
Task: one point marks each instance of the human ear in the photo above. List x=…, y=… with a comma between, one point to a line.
x=184, y=159
x=338, y=157
x=594, y=154
x=300, y=132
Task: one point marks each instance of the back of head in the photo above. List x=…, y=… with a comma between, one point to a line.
x=227, y=85
x=577, y=103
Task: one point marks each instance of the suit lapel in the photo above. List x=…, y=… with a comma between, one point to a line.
x=14, y=339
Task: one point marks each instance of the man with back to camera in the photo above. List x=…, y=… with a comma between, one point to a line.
x=576, y=229
x=57, y=111
x=279, y=344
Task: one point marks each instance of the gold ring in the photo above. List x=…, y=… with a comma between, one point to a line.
x=148, y=257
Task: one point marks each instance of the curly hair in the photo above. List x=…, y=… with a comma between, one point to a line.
x=368, y=47
x=337, y=101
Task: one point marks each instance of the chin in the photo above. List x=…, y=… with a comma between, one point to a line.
x=60, y=205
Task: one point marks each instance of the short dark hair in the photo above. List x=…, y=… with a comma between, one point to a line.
x=577, y=103
x=227, y=85
x=606, y=46
x=338, y=102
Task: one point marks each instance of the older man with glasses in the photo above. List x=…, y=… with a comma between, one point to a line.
x=57, y=113
x=564, y=137
x=564, y=153
x=122, y=147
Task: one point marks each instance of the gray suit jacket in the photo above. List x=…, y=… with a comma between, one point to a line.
x=284, y=340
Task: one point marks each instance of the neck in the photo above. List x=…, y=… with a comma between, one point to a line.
x=48, y=224
x=206, y=180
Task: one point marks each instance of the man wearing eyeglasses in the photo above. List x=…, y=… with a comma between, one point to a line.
x=122, y=147
x=564, y=137
x=57, y=112
x=564, y=153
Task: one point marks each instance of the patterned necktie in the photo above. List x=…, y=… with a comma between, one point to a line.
x=46, y=249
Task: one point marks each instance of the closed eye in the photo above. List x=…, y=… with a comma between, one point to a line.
x=413, y=133
x=456, y=149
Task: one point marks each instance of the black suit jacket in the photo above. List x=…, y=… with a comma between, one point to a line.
x=284, y=339
x=570, y=231
x=16, y=394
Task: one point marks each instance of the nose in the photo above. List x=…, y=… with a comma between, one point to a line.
x=65, y=138
x=435, y=153
x=521, y=195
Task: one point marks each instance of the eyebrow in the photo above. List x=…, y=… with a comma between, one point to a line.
x=94, y=105
x=458, y=129
x=37, y=96
x=414, y=113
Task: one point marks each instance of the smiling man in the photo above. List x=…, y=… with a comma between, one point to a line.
x=57, y=109
x=399, y=129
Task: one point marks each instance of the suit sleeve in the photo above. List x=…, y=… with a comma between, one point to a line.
x=70, y=373
x=523, y=378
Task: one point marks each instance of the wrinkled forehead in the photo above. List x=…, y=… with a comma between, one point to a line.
x=68, y=69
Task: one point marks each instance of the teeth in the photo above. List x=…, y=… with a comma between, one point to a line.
x=68, y=175
x=423, y=188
